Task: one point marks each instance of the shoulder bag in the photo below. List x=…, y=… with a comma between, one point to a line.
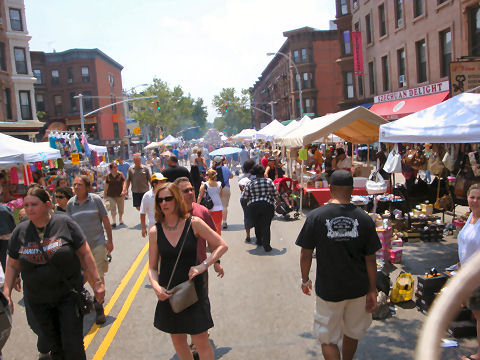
x=376, y=184
x=394, y=161
x=206, y=200
x=184, y=294
x=83, y=296
x=415, y=159
x=435, y=164
x=446, y=201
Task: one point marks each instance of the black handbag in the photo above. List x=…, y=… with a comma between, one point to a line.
x=206, y=200
x=82, y=296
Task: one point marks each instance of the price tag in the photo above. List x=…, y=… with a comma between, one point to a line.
x=75, y=158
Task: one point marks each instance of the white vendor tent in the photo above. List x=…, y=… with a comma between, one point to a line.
x=456, y=120
x=170, y=140
x=357, y=125
x=99, y=149
x=270, y=131
x=293, y=125
x=152, y=145
x=16, y=151
x=245, y=134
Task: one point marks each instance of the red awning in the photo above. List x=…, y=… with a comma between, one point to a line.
x=393, y=110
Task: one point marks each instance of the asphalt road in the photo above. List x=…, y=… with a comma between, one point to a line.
x=258, y=308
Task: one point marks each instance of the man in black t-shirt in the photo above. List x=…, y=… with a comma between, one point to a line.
x=345, y=240
x=173, y=171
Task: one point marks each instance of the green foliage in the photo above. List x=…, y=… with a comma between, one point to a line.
x=238, y=116
x=178, y=112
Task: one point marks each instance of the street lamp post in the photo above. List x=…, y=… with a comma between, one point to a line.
x=298, y=74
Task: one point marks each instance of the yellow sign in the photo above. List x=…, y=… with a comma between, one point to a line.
x=75, y=158
x=137, y=131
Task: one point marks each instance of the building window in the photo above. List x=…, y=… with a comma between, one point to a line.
x=418, y=8
x=360, y=85
x=116, y=133
x=25, y=106
x=368, y=25
x=344, y=7
x=371, y=78
x=40, y=99
x=356, y=26
x=20, y=61
x=15, y=19
x=87, y=101
x=297, y=81
x=111, y=80
x=3, y=63
x=347, y=48
x=421, y=47
x=348, y=84
x=446, y=52
x=401, y=67
x=295, y=56
x=474, y=22
x=309, y=109
x=113, y=100
x=8, y=103
x=70, y=75
x=58, y=105
x=304, y=55
x=386, y=77
x=381, y=20
x=305, y=84
x=55, y=77
x=37, y=73
x=85, y=74
x=73, y=102
x=398, y=13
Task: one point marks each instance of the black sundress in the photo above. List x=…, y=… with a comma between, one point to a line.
x=196, y=318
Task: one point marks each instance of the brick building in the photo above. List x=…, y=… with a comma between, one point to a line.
x=62, y=75
x=17, y=111
x=407, y=48
x=314, y=53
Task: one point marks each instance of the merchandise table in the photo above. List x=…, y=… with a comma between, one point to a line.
x=322, y=195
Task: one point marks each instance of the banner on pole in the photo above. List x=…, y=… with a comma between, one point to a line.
x=357, y=52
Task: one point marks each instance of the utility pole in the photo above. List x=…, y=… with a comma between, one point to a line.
x=82, y=118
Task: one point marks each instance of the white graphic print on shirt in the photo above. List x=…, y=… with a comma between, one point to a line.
x=342, y=228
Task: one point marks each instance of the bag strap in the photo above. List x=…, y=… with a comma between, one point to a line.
x=179, y=252
x=47, y=260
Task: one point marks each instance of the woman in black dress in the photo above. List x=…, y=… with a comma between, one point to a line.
x=165, y=241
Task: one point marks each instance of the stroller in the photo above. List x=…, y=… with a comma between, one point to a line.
x=289, y=201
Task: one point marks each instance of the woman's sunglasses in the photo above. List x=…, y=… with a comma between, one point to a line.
x=166, y=198
x=59, y=197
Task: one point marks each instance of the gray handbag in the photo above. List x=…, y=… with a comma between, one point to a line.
x=184, y=294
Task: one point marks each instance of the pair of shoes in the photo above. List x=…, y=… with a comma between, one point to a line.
x=100, y=314
x=247, y=239
x=267, y=248
x=224, y=226
x=114, y=225
x=121, y=222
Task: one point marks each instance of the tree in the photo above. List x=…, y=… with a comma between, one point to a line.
x=178, y=112
x=238, y=116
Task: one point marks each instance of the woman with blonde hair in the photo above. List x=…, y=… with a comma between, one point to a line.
x=214, y=190
x=176, y=229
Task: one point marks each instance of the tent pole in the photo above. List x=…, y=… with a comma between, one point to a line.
x=301, y=190
x=368, y=154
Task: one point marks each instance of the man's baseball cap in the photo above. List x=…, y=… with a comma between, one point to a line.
x=341, y=178
x=217, y=159
x=157, y=177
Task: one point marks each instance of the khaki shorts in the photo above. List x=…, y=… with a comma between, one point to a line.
x=225, y=197
x=332, y=320
x=100, y=255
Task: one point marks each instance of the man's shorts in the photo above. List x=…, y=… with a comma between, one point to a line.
x=332, y=320
x=474, y=300
x=137, y=199
x=100, y=255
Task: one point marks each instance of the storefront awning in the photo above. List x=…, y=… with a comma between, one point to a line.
x=393, y=110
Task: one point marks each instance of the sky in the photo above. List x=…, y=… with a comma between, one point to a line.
x=201, y=45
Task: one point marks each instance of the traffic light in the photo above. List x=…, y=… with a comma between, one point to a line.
x=226, y=109
x=156, y=105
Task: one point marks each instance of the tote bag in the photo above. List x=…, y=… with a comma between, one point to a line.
x=394, y=161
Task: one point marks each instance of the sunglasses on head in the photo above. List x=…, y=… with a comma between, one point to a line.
x=186, y=191
x=166, y=198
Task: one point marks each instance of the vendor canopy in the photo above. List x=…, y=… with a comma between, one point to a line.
x=270, y=131
x=245, y=134
x=357, y=125
x=456, y=120
x=16, y=151
x=170, y=140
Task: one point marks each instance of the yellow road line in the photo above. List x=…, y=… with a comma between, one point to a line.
x=94, y=329
x=121, y=315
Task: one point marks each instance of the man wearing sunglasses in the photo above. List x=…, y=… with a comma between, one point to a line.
x=147, y=206
x=62, y=195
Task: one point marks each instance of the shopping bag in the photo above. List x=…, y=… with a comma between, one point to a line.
x=376, y=184
x=403, y=288
x=448, y=160
x=394, y=161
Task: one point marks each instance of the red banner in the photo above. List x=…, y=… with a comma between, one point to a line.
x=357, y=52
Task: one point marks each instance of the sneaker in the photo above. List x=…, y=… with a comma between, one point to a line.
x=114, y=225
x=247, y=239
x=224, y=226
x=267, y=248
x=100, y=316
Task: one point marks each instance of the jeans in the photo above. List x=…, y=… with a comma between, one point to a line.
x=261, y=213
x=62, y=325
